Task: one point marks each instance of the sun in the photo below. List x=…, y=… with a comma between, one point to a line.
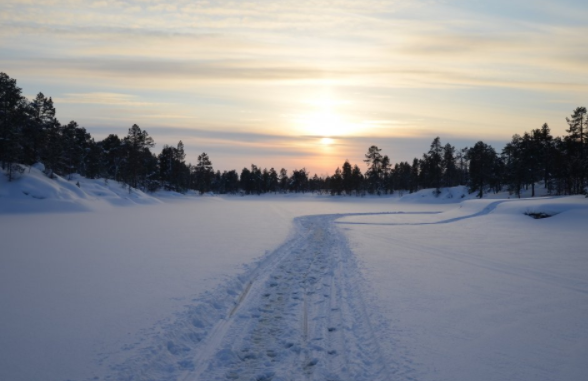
x=324, y=120
x=324, y=123
x=327, y=141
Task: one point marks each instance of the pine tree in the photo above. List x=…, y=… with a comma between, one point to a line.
x=137, y=144
x=532, y=157
x=404, y=176
x=512, y=157
x=255, y=180
x=373, y=159
x=449, y=167
x=173, y=172
x=244, y=180
x=346, y=175
x=231, y=181
x=357, y=180
x=386, y=182
x=316, y=184
x=218, y=185
x=112, y=157
x=415, y=175
x=273, y=181
x=75, y=146
x=577, y=125
x=462, y=166
x=41, y=119
x=434, y=160
x=203, y=173
x=53, y=152
x=284, y=180
x=337, y=183
x=149, y=180
x=166, y=167
x=299, y=181
x=92, y=160
x=12, y=117
x=577, y=138
x=563, y=180
x=483, y=159
x=543, y=136
x=265, y=181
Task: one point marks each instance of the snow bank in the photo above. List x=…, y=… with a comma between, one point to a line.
x=446, y=195
x=460, y=193
x=33, y=191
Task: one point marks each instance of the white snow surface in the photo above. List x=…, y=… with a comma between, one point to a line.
x=288, y=287
x=34, y=192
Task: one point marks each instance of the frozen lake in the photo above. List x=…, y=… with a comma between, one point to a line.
x=427, y=291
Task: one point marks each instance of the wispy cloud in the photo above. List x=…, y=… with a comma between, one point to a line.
x=97, y=98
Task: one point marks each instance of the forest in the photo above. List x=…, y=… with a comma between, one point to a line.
x=30, y=133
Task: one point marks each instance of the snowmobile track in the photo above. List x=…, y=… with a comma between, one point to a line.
x=301, y=316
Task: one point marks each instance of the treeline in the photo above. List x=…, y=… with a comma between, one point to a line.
x=30, y=133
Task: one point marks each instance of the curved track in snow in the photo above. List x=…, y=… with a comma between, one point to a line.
x=299, y=314
x=486, y=210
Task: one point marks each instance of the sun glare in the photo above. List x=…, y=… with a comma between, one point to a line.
x=327, y=141
x=324, y=120
x=325, y=124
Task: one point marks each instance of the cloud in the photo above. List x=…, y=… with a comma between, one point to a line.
x=97, y=98
x=181, y=74
x=161, y=70
x=399, y=68
x=349, y=42
x=451, y=44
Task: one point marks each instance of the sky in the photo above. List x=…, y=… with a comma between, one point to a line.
x=302, y=83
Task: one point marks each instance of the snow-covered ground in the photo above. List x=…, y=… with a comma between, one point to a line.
x=95, y=286
x=34, y=192
x=483, y=291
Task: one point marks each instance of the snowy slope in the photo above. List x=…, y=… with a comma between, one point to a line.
x=33, y=191
x=460, y=193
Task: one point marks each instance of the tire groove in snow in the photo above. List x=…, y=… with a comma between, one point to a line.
x=241, y=298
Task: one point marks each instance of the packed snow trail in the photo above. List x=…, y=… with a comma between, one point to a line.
x=299, y=313
x=301, y=317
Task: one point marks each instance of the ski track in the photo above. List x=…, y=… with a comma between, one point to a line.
x=299, y=314
x=487, y=210
x=302, y=318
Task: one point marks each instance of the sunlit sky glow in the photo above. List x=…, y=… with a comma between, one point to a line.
x=266, y=82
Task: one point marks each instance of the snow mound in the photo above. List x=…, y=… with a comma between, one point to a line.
x=455, y=195
x=544, y=207
x=33, y=191
x=429, y=196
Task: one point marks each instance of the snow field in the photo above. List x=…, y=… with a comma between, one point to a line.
x=84, y=295
x=74, y=285
x=288, y=287
x=487, y=295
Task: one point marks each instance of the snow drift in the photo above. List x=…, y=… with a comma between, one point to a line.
x=33, y=191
